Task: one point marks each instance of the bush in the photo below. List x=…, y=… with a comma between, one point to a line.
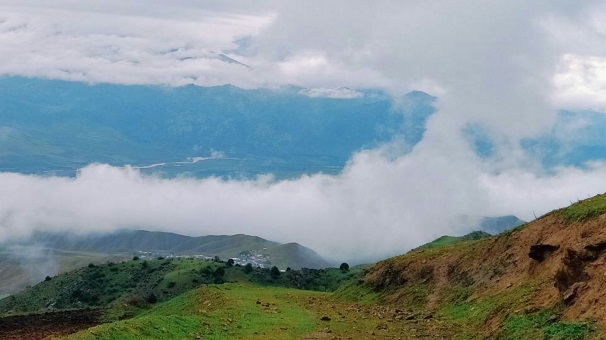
x=48, y=278
x=344, y=267
x=171, y=284
x=248, y=268
x=230, y=262
x=275, y=272
x=152, y=298
x=219, y=272
x=135, y=258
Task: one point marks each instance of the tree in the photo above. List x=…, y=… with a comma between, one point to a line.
x=218, y=274
x=151, y=298
x=248, y=268
x=230, y=262
x=344, y=267
x=275, y=272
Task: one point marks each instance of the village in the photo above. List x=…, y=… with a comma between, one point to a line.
x=253, y=257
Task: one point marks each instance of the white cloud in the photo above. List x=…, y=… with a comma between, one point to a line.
x=377, y=207
x=581, y=82
x=127, y=48
x=338, y=93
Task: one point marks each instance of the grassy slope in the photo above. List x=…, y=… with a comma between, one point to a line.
x=227, y=311
x=490, y=287
x=245, y=311
x=128, y=283
x=17, y=271
x=138, y=283
x=452, y=240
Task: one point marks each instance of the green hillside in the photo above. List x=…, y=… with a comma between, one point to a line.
x=452, y=240
x=45, y=254
x=291, y=255
x=166, y=299
x=139, y=283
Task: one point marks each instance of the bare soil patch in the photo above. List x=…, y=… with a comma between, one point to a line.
x=41, y=326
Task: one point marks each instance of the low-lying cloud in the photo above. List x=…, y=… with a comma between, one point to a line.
x=378, y=206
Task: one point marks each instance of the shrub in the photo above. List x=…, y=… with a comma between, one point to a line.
x=230, y=262
x=152, y=298
x=275, y=272
x=344, y=267
x=248, y=268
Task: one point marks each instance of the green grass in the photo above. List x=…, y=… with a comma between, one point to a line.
x=217, y=312
x=446, y=240
x=567, y=331
x=542, y=325
x=354, y=291
x=586, y=209
x=474, y=313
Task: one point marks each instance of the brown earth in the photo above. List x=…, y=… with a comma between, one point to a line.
x=45, y=325
x=558, y=262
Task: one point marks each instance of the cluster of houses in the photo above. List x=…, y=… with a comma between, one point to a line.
x=244, y=257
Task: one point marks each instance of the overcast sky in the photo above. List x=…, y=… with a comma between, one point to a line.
x=506, y=66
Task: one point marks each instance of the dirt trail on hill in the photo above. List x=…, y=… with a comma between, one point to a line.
x=41, y=326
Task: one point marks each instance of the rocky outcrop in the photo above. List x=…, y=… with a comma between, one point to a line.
x=540, y=252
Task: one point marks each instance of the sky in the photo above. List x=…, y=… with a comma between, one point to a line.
x=505, y=67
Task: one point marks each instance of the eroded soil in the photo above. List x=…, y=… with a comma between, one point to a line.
x=40, y=326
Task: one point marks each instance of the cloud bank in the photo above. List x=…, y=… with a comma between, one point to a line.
x=502, y=67
x=377, y=207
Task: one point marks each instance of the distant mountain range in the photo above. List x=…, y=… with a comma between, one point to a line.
x=50, y=126
x=499, y=224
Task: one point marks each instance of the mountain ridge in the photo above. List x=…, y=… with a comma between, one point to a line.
x=225, y=246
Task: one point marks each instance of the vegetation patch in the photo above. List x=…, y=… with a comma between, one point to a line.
x=464, y=310
x=217, y=312
x=544, y=325
x=452, y=240
x=586, y=209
